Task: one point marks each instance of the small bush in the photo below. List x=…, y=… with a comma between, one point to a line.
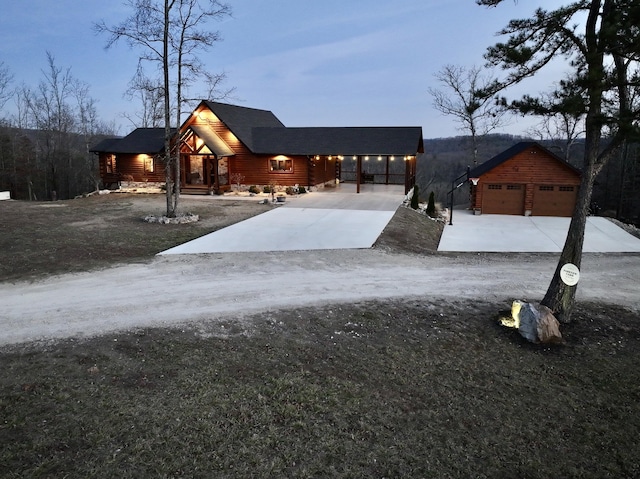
x=431, y=205
x=254, y=189
x=266, y=189
x=415, y=199
x=301, y=189
x=290, y=190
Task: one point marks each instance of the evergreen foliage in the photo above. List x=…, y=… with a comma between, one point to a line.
x=415, y=198
x=431, y=205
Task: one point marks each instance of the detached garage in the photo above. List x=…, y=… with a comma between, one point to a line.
x=527, y=179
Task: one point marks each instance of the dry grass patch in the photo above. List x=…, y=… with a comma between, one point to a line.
x=387, y=389
x=41, y=238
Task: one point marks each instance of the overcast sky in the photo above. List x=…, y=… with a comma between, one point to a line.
x=312, y=63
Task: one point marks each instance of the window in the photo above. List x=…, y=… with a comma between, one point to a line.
x=111, y=163
x=148, y=164
x=566, y=188
x=495, y=187
x=281, y=165
x=546, y=188
x=514, y=187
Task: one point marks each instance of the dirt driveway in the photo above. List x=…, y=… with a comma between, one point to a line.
x=174, y=290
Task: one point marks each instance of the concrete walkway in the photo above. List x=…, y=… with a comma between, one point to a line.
x=531, y=234
x=333, y=218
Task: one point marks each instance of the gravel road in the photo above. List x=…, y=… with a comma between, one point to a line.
x=187, y=289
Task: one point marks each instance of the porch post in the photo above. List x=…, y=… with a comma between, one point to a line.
x=358, y=173
x=387, y=172
x=216, y=181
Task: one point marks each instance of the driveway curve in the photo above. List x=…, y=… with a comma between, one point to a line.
x=195, y=289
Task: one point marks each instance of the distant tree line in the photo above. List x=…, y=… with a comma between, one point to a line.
x=44, y=145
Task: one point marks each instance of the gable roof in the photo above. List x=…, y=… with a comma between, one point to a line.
x=105, y=145
x=242, y=120
x=489, y=165
x=140, y=140
x=338, y=141
x=215, y=144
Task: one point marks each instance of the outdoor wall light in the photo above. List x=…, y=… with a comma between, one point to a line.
x=366, y=158
x=379, y=158
x=392, y=158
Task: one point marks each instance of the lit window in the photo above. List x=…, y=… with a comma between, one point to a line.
x=148, y=164
x=281, y=166
x=110, y=163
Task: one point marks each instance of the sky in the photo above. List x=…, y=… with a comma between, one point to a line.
x=312, y=63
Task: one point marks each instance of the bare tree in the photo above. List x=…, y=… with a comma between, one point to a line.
x=53, y=117
x=150, y=95
x=187, y=40
x=466, y=97
x=171, y=34
x=6, y=78
x=88, y=127
x=561, y=112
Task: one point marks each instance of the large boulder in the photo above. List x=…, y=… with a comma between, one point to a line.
x=536, y=323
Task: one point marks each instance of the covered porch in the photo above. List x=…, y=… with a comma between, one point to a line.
x=204, y=162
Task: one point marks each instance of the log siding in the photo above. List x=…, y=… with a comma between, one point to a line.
x=532, y=167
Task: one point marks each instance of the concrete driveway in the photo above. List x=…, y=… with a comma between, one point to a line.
x=531, y=234
x=333, y=218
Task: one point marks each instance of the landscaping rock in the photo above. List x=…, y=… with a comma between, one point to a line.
x=536, y=323
x=548, y=326
x=178, y=220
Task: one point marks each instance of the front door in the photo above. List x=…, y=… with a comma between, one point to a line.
x=217, y=173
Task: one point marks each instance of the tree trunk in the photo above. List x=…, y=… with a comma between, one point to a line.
x=167, y=114
x=560, y=297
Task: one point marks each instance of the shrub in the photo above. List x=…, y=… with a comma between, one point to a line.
x=301, y=189
x=415, y=199
x=290, y=190
x=266, y=189
x=254, y=189
x=431, y=205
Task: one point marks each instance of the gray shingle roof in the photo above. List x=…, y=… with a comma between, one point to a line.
x=140, y=140
x=489, y=165
x=242, y=120
x=338, y=141
x=105, y=145
x=263, y=133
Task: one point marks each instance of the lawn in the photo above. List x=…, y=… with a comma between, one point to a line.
x=400, y=388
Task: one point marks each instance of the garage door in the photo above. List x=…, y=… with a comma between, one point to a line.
x=501, y=199
x=554, y=200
